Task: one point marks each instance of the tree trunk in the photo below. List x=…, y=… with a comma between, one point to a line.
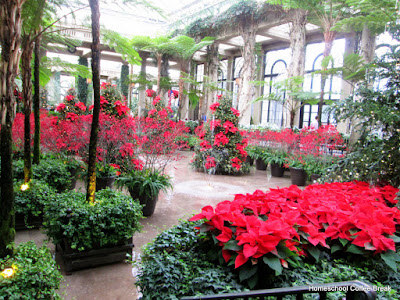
x=164, y=78
x=36, y=101
x=212, y=74
x=82, y=83
x=329, y=37
x=10, y=33
x=246, y=88
x=183, y=98
x=297, y=34
x=159, y=62
x=91, y=184
x=26, y=69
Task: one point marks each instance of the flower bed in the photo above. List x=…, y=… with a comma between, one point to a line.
x=282, y=226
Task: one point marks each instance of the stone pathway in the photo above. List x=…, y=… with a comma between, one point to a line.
x=192, y=190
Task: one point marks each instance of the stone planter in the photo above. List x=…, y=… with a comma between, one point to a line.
x=249, y=160
x=149, y=203
x=277, y=170
x=32, y=222
x=76, y=260
x=260, y=164
x=104, y=182
x=298, y=176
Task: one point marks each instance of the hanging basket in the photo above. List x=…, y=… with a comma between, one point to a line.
x=260, y=164
x=298, y=176
x=277, y=170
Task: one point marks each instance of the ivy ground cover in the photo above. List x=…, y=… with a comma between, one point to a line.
x=280, y=227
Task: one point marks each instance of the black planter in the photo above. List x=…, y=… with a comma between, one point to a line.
x=298, y=176
x=314, y=177
x=260, y=164
x=249, y=160
x=149, y=203
x=104, y=182
x=277, y=170
x=74, y=177
x=76, y=260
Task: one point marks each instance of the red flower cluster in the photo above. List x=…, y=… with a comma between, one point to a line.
x=69, y=97
x=150, y=93
x=210, y=162
x=80, y=105
x=214, y=106
x=220, y=139
x=235, y=112
x=328, y=214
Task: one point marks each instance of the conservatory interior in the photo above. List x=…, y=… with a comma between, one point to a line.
x=213, y=149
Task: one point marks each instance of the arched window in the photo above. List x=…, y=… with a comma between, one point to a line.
x=275, y=71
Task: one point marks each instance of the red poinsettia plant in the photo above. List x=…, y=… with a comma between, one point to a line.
x=281, y=226
x=221, y=146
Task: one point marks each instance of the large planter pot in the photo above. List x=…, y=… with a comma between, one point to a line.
x=76, y=260
x=249, y=160
x=260, y=164
x=298, y=176
x=31, y=222
x=277, y=170
x=104, y=182
x=74, y=177
x=149, y=203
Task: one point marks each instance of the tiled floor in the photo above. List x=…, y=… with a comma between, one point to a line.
x=192, y=190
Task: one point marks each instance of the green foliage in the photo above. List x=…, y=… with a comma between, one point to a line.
x=175, y=264
x=256, y=152
x=376, y=114
x=146, y=182
x=31, y=202
x=274, y=157
x=51, y=170
x=36, y=276
x=121, y=45
x=110, y=220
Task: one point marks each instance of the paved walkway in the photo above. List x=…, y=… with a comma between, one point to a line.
x=192, y=190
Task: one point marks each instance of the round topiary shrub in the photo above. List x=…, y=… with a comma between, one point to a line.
x=30, y=274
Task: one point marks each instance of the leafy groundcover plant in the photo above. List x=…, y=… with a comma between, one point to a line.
x=30, y=274
x=111, y=220
x=260, y=234
x=176, y=264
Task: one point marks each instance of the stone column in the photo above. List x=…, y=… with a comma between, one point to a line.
x=142, y=90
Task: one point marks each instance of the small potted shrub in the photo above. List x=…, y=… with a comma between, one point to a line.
x=297, y=165
x=256, y=153
x=145, y=186
x=31, y=273
x=30, y=200
x=75, y=168
x=91, y=234
x=105, y=175
x=276, y=159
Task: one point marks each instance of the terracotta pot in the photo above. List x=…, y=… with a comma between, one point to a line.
x=298, y=176
x=104, y=182
x=277, y=170
x=149, y=203
x=260, y=164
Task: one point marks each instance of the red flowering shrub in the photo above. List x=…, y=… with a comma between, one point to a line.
x=282, y=225
x=71, y=106
x=222, y=146
x=112, y=102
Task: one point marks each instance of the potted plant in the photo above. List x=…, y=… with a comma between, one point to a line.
x=105, y=175
x=145, y=186
x=75, y=168
x=256, y=153
x=316, y=166
x=276, y=159
x=91, y=234
x=297, y=165
x=30, y=200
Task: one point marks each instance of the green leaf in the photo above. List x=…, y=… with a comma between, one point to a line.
x=253, y=281
x=315, y=252
x=343, y=242
x=390, y=258
x=247, y=271
x=232, y=245
x=336, y=248
x=274, y=263
x=395, y=238
x=355, y=249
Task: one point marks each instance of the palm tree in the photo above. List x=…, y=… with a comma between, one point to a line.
x=10, y=39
